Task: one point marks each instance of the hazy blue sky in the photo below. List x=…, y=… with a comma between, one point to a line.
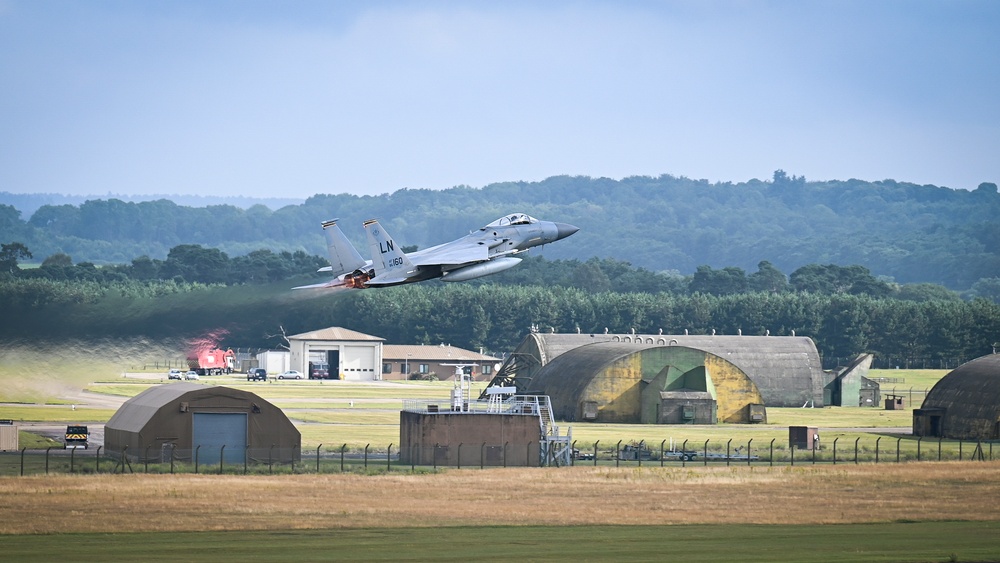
x=296, y=98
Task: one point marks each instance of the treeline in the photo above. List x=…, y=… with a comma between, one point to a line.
x=196, y=264
x=938, y=334
x=903, y=232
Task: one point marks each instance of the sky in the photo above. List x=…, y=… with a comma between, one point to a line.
x=295, y=98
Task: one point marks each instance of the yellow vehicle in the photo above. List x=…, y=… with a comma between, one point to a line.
x=77, y=436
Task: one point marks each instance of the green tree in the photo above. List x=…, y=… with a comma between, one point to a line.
x=767, y=278
x=10, y=255
x=726, y=281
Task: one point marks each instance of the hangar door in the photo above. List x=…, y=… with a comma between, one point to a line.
x=214, y=430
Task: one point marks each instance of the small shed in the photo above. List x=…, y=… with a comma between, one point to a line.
x=8, y=436
x=190, y=421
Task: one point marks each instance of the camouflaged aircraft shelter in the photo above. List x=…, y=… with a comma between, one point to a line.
x=666, y=379
x=182, y=421
x=964, y=404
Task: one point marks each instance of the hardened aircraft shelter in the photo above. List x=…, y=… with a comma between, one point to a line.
x=667, y=379
x=185, y=421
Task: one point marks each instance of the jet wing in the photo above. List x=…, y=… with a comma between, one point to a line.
x=451, y=254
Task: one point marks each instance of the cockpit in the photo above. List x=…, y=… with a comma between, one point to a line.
x=513, y=219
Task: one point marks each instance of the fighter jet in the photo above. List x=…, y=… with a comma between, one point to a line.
x=485, y=251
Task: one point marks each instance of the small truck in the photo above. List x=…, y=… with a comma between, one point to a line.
x=77, y=436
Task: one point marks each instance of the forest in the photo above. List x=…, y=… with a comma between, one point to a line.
x=900, y=232
x=198, y=293
x=910, y=273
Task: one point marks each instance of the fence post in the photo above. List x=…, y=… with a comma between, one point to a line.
x=505, y=453
x=388, y=459
x=482, y=455
x=458, y=460
x=919, y=439
x=856, y=450
x=47, y=459
x=123, y=459
x=342, y=448
x=791, y=452
x=939, y=448
x=727, y=451
x=72, y=454
x=661, y=452
x=196, y=452
x=814, y=451
x=876, y=449
x=638, y=453
x=897, y=449
x=572, y=454
x=222, y=457
x=435, y=456
x=748, y=451
x=413, y=462
x=145, y=457
x=317, y=457
x=684, y=453
x=527, y=459
x=172, y=448
x=246, y=452
x=98, y=467
x=270, y=460
x=959, y=450
x=595, y=452
x=618, y=449
x=835, y=450
x=366, y=456
x=705, y=455
x=771, y=455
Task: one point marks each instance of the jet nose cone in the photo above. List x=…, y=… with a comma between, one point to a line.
x=564, y=230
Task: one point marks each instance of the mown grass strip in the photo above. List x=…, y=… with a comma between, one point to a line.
x=897, y=542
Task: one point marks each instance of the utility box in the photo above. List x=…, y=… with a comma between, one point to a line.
x=894, y=403
x=8, y=436
x=803, y=437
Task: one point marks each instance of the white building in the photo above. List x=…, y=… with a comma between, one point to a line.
x=337, y=353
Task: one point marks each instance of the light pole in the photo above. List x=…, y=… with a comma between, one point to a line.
x=406, y=367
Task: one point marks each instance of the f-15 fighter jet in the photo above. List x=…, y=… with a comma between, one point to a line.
x=486, y=251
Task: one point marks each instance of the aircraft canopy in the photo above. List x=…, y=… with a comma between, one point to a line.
x=513, y=219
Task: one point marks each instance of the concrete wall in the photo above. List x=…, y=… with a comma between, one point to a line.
x=426, y=439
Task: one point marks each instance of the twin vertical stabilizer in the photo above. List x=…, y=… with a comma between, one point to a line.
x=391, y=264
x=343, y=256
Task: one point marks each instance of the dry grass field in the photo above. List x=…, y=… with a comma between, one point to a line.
x=936, y=511
x=586, y=496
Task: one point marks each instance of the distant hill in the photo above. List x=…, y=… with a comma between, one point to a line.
x=908, y=232
x=27, y=204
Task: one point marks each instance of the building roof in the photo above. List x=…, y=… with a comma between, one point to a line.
x=336, y=333
x=439, y=353
x=137, y=411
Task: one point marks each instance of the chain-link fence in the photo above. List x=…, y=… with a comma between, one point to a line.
x=623, y=453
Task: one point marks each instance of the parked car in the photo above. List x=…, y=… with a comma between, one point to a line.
x=191, y=375
x=257, y=374
x=175, y=374
x=290, y=374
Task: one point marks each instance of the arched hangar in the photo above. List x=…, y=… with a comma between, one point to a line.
x=184, y=420
x=963, y=405
x=666, y=379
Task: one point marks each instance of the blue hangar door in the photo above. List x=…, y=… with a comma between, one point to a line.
x=214, y=430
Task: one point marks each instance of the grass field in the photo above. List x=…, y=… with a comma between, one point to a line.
x=909, y=512
x=941, y=511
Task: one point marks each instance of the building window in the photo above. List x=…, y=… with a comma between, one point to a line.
x=386, y=368
x=425, y=368
x=487, y=369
